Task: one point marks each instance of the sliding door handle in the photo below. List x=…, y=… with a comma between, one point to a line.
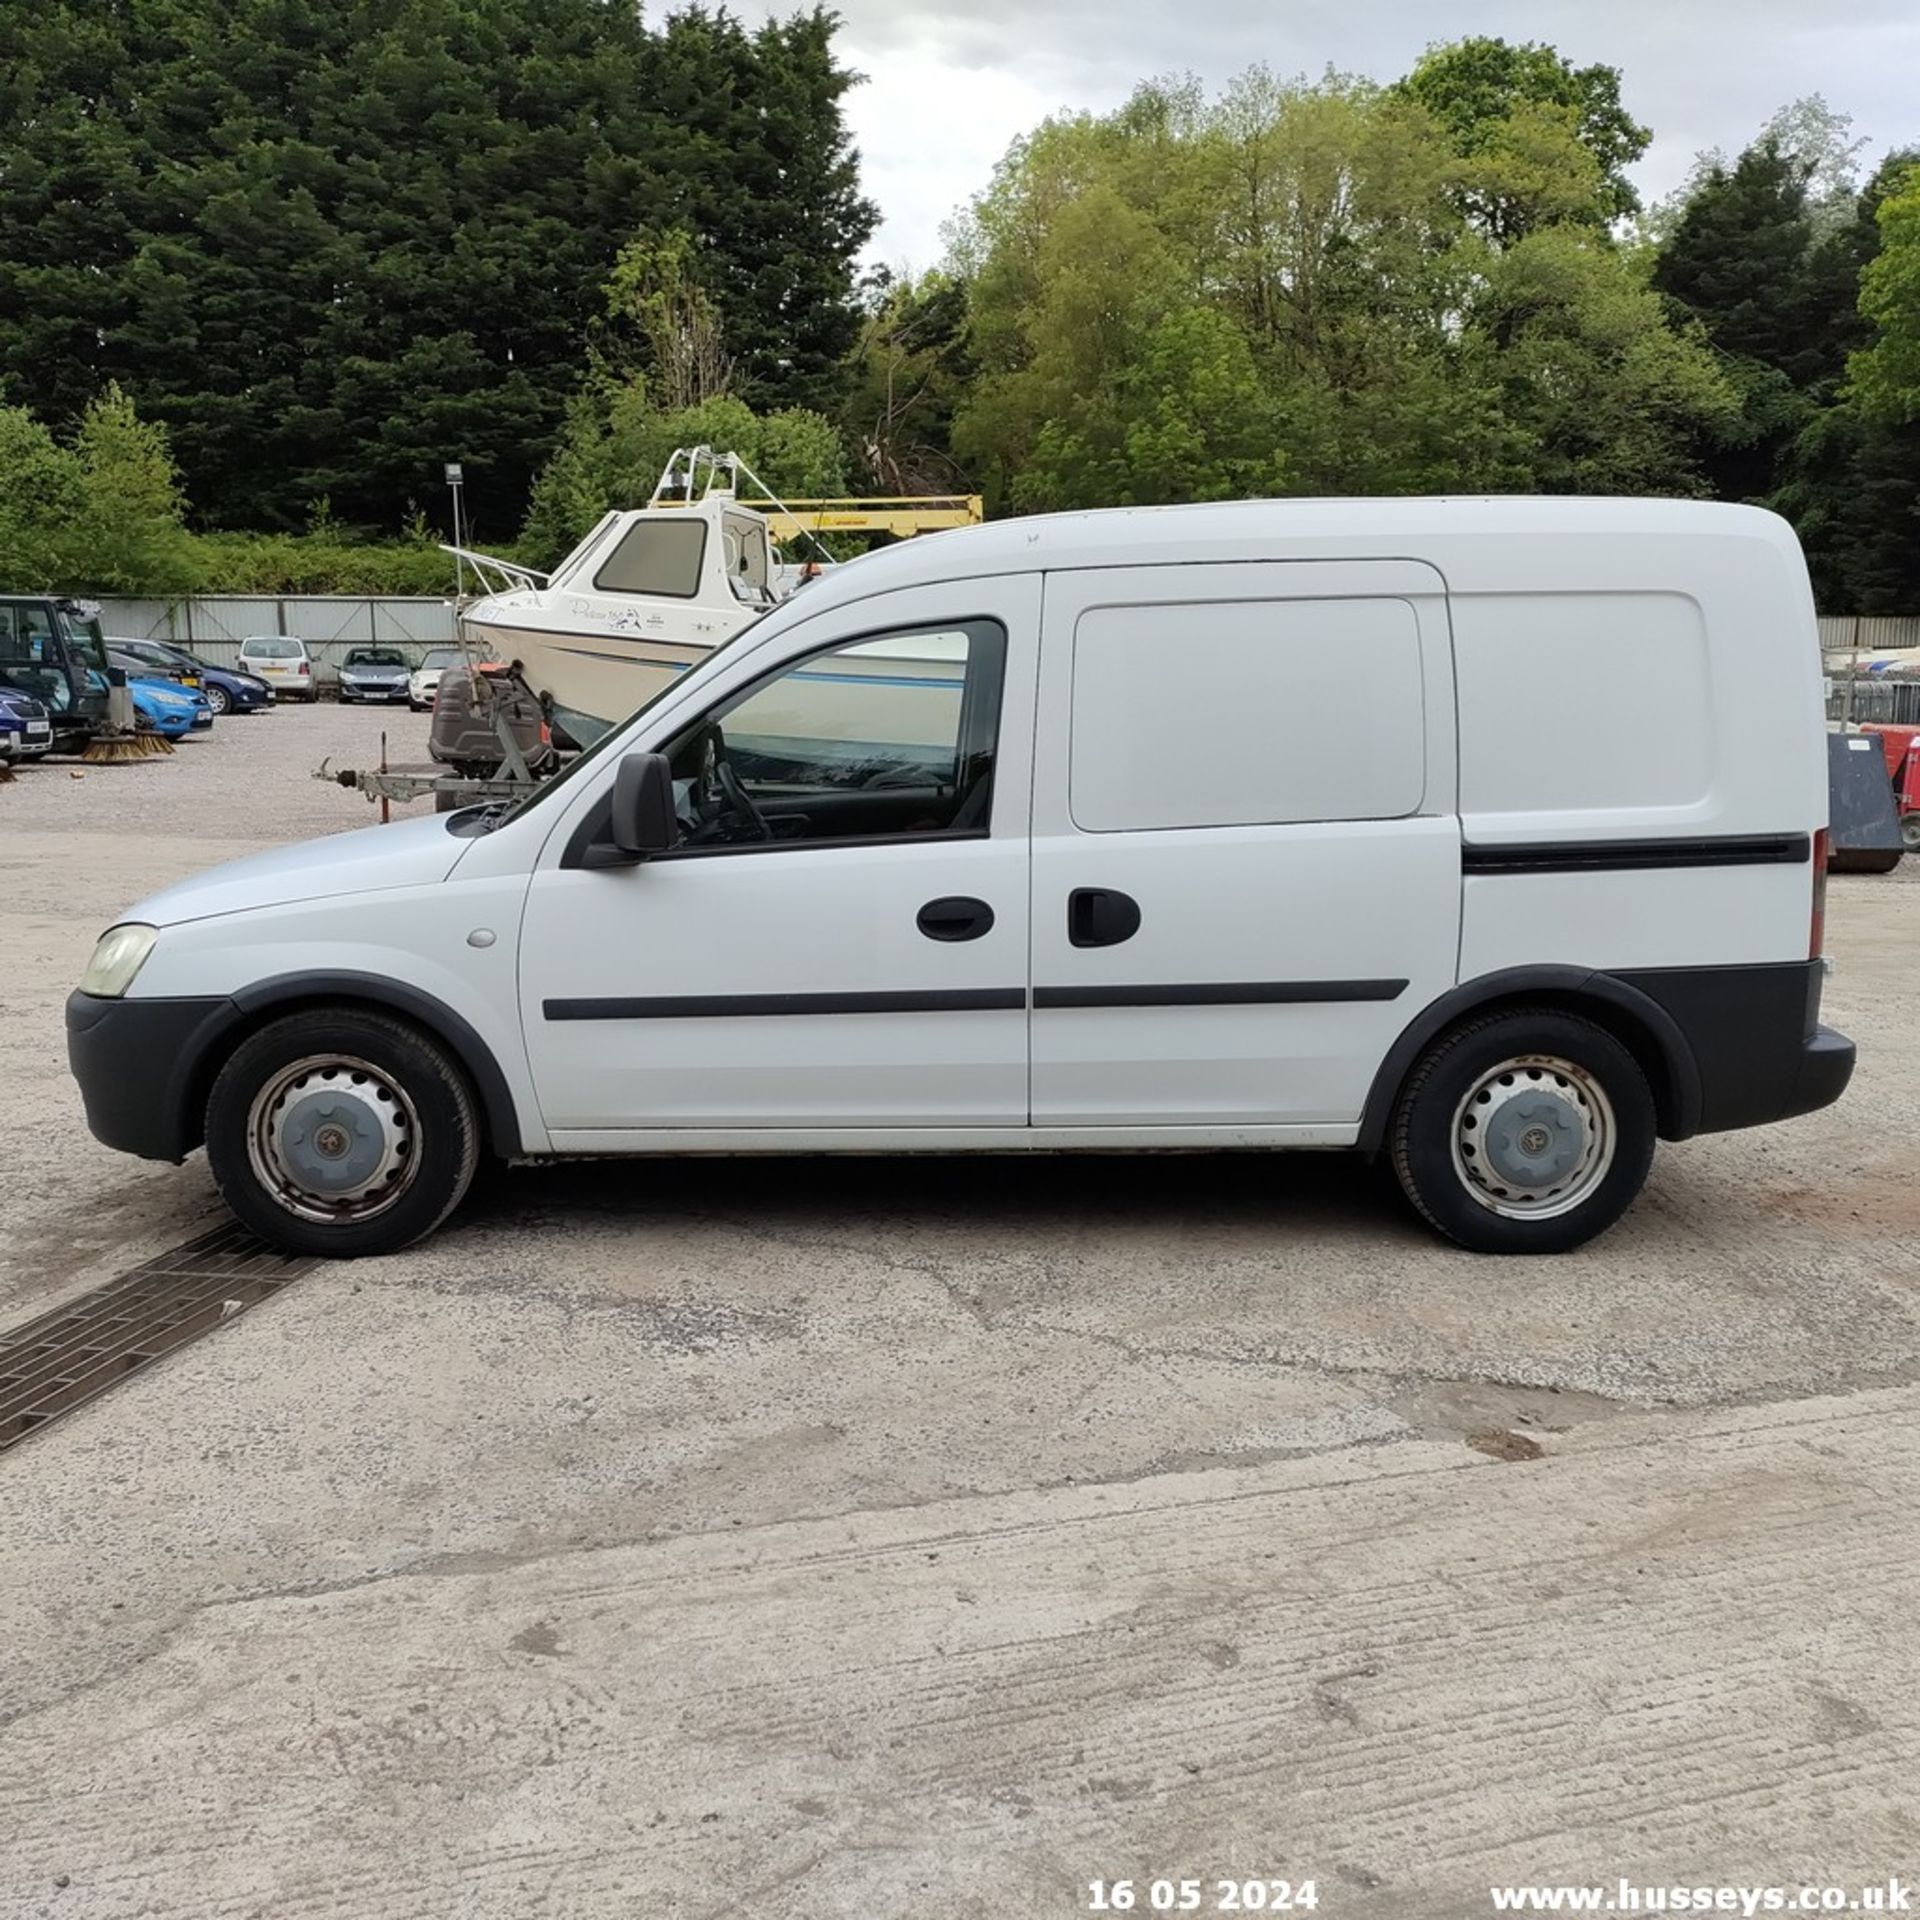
x=956, y=917
x=1100, y=917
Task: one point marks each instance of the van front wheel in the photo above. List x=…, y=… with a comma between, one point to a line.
x=341, y=1132
x=1524, y=1132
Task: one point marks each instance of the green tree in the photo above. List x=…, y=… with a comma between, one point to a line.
x=1739, y=263
x=910, y=369
x=1602, y=394
x=131, y=536
x=661, y=321
x=1506, y=109
x=1280, y=290
x=617, y=442
x=1885, y=378
x=101, y=515
x=43, y=502
x=330, y=243
x=751, y=143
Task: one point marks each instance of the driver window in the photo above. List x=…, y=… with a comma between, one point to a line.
x=883, y=737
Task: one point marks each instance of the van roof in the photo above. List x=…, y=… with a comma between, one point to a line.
x=1471, y=539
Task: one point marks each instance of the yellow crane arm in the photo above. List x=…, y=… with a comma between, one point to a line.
x=902, y=517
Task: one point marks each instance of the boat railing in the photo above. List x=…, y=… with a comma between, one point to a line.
x=496, y=575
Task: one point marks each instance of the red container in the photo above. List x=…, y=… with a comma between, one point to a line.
x=1901, y=745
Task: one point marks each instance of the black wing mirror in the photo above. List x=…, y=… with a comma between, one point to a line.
x=642, y=821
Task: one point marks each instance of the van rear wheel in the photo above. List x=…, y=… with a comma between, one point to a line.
x=1527, y=1131
x=341, y=1132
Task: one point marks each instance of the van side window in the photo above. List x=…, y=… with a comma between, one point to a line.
x=1246, y=713
x=879, y=738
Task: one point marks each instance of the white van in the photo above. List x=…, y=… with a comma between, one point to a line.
x=1484, y=834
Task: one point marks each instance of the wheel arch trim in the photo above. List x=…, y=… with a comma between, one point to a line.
x=1635, y=1019
x=285, y=992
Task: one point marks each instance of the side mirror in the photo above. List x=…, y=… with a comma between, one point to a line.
x=642, y=821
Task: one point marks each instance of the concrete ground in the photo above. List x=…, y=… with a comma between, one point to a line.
x=888, y=1538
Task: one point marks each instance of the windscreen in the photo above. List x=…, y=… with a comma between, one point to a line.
x=656, y=556
x=85, y=638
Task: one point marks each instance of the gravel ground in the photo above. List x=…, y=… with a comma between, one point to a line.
x=242, y=780
x=884, y=1537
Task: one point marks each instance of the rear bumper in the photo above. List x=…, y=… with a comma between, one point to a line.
x=135, y=1062
x=1826, y=1065
x=1754, y=1032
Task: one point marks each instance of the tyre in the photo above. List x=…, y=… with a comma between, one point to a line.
x=219, y=701
x=1526, y=1131
x=1910, y=831
x=340, y=1132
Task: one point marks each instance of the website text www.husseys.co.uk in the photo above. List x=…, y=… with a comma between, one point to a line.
x=1626, y=1896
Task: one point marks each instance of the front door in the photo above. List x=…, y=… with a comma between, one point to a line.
x=1246, y=871
x=840, y=938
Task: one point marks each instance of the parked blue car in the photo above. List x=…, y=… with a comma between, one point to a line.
x=226, y=690
x=173, y=712
x=26, y=728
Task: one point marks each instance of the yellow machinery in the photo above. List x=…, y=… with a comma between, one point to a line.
x=902, y=516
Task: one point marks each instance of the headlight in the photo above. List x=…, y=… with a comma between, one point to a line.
x=120, y=954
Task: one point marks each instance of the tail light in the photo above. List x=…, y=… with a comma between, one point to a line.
x=303, y=669
x=1817, y=924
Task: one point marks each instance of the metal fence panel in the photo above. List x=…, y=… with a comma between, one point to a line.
x=214, y=624
x=130, y=619
x=1876, y=698
x=323, y=622
x=416, y=624
x=1871, y=633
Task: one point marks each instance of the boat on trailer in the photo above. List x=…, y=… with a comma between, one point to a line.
x=647, y=594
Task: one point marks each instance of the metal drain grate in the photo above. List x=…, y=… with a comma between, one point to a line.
x=65, y=1357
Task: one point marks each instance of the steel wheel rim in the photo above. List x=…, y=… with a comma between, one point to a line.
x=1534, y=1137
x=334, y=1139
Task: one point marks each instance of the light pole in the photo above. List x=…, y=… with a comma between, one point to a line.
x=459, y=540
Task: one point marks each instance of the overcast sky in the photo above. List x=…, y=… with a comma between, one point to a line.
x=951, y=82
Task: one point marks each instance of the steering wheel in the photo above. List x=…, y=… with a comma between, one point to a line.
x=720, y=780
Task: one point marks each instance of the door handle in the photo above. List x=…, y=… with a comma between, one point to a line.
x=955, y=916
x=1100, y=917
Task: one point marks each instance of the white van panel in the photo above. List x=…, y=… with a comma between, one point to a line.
x=1341, y=902
x=1249, y=713
x=416, y=933
x=1679, y=917
x=1273, y=963
x=1594, y=702
x=821, y=919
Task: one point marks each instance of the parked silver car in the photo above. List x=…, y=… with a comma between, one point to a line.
x=374, y=673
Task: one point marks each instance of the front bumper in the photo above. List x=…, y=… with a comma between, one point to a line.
x=135, y=1062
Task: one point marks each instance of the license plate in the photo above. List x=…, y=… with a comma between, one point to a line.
x=188, y=680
